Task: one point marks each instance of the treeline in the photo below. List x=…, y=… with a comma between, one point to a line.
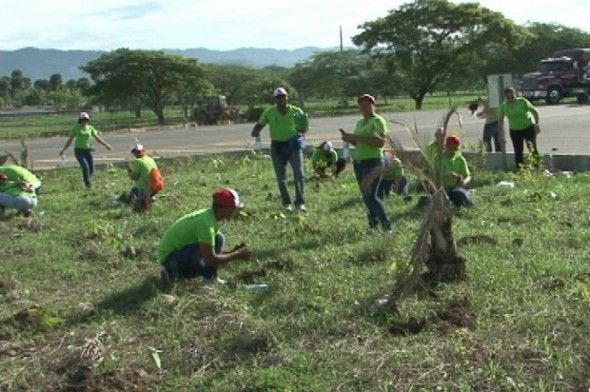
x=421, y=47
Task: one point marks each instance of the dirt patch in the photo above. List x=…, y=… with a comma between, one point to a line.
x=112, y=380
x=477, y=239
x=249, y=277
x=517, y=242
x=6, y=285
x=411, y=327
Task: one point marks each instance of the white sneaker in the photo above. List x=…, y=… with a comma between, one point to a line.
x=301, y=207
x=288, y=207
x=214, y=281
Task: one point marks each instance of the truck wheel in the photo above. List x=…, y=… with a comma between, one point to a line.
x=582, y=99
x=553, y=96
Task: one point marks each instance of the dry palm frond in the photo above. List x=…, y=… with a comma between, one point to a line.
x=24, y=153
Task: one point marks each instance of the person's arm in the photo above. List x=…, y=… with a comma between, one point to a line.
x=68, y=143
x=256, y=130
x=105, y=144
x=213, y=259
x=374, y=141
x=501, y=130
x=133, y=173
x=536, y=116
x=465, y=176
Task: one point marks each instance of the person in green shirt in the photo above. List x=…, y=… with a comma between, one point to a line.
x=19, y=195
x=287, y=124
x=324, y=157
x=523, y=121
x=456, y=174
x=394, y=178
x=193, y=245
x=83, y=135
x=431, y=150
x=140, y=170
x=369, y=140
x=16, y=172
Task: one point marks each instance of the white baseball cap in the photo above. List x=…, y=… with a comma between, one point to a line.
x=138, y=148
x=279, y=91
x=327, y=146
x=83, y=116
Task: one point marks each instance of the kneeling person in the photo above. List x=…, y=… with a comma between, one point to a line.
x=16, y=173
x=142, y=170
x=325, y=157
x=394, y=179
x=193, y=246
x=456, y=174
x=19, y=195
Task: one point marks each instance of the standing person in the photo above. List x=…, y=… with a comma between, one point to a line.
x=325, y=157
x=369, y=139
x=523, y=121
x=16, y=173
x=142, y=170
x=83, y=135
x=287, y=125
x=193, y=246
x=491, y=138
x=18, y=194
x=394, y=178
x=456, y=174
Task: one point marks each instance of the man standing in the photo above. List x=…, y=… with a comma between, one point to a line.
x=193, y=246
x=288, y=124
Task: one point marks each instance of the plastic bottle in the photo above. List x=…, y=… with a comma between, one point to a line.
x=62, y=161
x=256, y=288
x=346, y=151
x=257, y=143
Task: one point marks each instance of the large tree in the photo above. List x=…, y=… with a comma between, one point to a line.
x=153, y=77
x=427, y=41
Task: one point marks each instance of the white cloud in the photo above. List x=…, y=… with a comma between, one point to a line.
x=227, y=24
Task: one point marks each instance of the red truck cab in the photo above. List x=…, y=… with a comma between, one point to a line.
x=563, y=75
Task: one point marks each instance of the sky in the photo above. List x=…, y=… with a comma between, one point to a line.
x=223, y=24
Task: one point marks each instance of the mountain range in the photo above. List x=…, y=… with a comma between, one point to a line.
x=41, y=63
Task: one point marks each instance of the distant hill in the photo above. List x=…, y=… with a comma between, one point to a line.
x=41, y=63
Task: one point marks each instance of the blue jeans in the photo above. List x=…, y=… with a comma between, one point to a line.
x=281, y=154
x=377, y=214
x=385, y=187
x=460, y=197
x=86, y=161
x=21, y=203
x=187, y=262
x=490, y=133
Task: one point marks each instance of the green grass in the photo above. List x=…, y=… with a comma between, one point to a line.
x=520, y=321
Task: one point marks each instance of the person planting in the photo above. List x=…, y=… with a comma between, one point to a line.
x=325, y=157
x=146, y=176
x=394, y=179
x=456, y=174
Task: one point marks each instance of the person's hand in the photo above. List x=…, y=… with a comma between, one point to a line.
x=243, y=253
x=61, y=153
x=255, y=133
x=108, y=147
x=537, y=129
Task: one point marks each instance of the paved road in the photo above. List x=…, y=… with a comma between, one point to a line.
x=565, y=127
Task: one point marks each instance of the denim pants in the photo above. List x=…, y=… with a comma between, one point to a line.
x=459, y=197
x=518, y=138
x=281, y=154
x=187, y=262
x=490, y=134
x=86, y=161
x=385, y=187
x=21, y=203
x=376, y=210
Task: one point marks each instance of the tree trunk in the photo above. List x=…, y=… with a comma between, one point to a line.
x=137, y=111
x=444, y=265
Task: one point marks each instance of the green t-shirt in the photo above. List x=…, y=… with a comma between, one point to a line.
x=15, y=172
x=143, y=166
x=83, y=137
x=320, y=160
x=374, y=126
x=395, y=170
x=284, y=126
x=198, y=227
x=431, y=151
x=519, y=114
x=457, y=164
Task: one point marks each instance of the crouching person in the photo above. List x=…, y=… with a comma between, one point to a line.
x=394, y=179
x=193, y=246
x=456, y=174
x=148, y=180
x=16, y=173
x=19, y=195
x=325, y=158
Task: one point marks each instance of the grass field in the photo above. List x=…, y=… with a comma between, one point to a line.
x=47, y=125
x=80, y=278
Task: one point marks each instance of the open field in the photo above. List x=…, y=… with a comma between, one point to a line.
x=48, y=125
x=80, y=280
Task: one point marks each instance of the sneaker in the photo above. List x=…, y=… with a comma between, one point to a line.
x=301, y=207
x=288, y=207
x=214, y=281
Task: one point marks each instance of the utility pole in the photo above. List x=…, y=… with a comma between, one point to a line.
x=341, y=41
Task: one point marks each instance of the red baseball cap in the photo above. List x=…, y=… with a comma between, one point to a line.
x=227, y=197
x=453, y=139
x=3, y=177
